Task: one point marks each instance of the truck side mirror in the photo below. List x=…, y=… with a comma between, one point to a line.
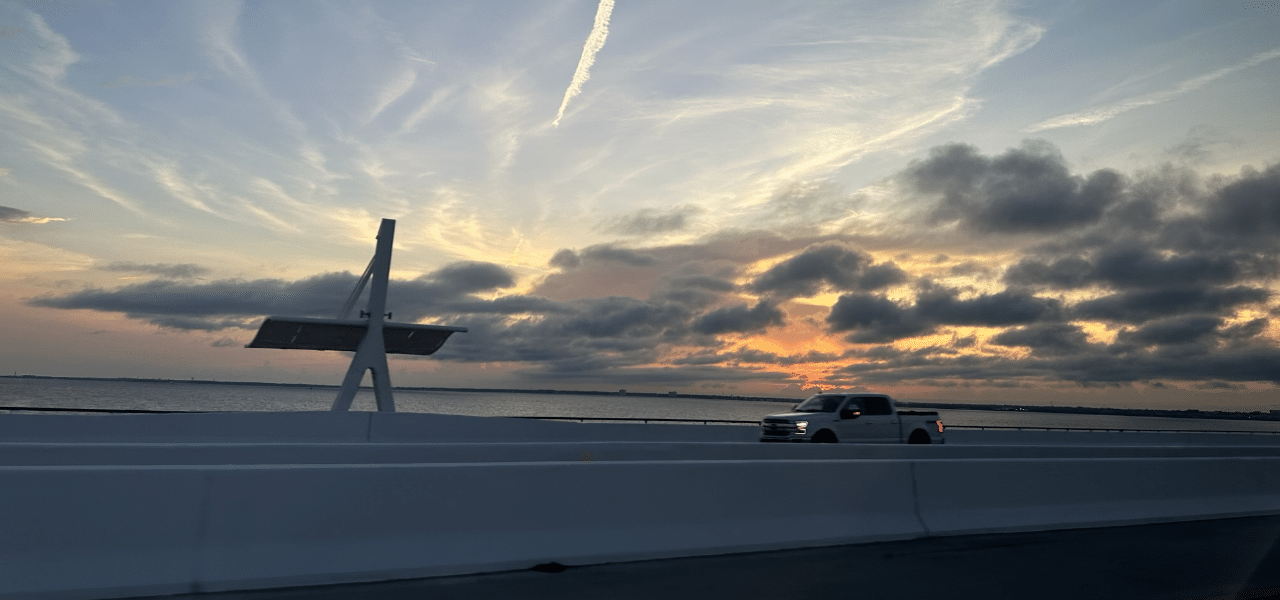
x=850, y=413
x=795, y=406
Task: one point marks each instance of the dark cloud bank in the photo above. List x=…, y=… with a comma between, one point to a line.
x=13, y=215
x=1166, y=261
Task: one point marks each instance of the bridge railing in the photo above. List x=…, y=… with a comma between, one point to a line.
x=1106, y=429
x=581, y=419
x=646, y=420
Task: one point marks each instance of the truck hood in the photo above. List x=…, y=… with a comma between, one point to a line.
x=795, y=416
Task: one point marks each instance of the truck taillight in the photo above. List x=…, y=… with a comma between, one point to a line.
x=939, y=426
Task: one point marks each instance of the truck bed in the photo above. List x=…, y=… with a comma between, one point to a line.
x=918, y=413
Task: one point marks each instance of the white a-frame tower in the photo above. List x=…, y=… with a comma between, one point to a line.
x=371, y=339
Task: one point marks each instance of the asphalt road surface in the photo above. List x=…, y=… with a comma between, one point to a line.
x=1228, y=558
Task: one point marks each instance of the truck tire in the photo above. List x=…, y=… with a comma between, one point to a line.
x=919, y=436
x=824, y=437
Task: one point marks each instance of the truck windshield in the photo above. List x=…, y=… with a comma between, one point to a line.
x=820, y=404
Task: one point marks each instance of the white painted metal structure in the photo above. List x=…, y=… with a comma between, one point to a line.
x=371, y=339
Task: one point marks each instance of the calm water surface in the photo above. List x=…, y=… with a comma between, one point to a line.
x=182, y=396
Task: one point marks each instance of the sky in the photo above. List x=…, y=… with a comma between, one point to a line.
x=1070, y=202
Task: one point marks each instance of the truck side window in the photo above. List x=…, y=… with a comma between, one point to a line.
x=820, y=404
x=875, y=406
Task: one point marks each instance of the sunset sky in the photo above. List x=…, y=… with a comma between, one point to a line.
x=1067, y=201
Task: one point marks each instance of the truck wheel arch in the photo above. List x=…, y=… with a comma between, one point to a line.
x=919, y=436
x=824, y=436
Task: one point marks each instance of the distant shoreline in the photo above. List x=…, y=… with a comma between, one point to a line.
x=1089, y=410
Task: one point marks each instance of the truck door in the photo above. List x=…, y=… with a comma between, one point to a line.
x=849, y=425
x=855, y=424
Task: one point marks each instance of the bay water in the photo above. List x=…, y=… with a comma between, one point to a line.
x=32, y=392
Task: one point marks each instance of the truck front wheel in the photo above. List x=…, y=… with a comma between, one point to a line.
x=919, y=436
x=824, y=437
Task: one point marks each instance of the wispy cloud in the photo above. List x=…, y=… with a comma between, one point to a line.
x=218, y=37
x=168, y=270
x=1100, y=114
x=801, y=110
x=28, y=262
x=266, y=218
x=393, y=90
x=131, y=81
x=595, y=41
x=65, y=163
x=51, y=53
x=167, y=176
x=425, y=109
x=58, y=126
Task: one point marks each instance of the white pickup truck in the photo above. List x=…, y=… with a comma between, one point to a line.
x=852, y=417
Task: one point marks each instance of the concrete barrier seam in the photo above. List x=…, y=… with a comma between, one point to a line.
x=203, y=516
x=915, y=499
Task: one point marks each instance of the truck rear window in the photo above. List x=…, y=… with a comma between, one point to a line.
x=876, y=406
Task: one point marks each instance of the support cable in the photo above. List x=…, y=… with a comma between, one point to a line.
x=355, y=294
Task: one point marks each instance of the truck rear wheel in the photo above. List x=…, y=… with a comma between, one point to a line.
x=824, y=437
x=919, y=436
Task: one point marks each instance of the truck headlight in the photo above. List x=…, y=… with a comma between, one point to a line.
x=800, y=425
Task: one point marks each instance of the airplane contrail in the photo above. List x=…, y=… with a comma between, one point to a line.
x=595, y=41
x=1104, y=113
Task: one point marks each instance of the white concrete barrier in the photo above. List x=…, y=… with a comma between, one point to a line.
x=420, y=427
x=102, y=532
x=1001, y=495
x=387, y=427
x=96, y=532
x=276, y=427
x=172, y=453
x=1033, y=437
x=180, y=427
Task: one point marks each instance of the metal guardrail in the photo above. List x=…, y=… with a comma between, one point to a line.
x=1107, y=429
x=94, y=410
x=699, y=421
x=1130, y=430
x=145, y=411
x=644, y=420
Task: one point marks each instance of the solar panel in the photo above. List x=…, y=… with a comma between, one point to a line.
x=302, y=333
